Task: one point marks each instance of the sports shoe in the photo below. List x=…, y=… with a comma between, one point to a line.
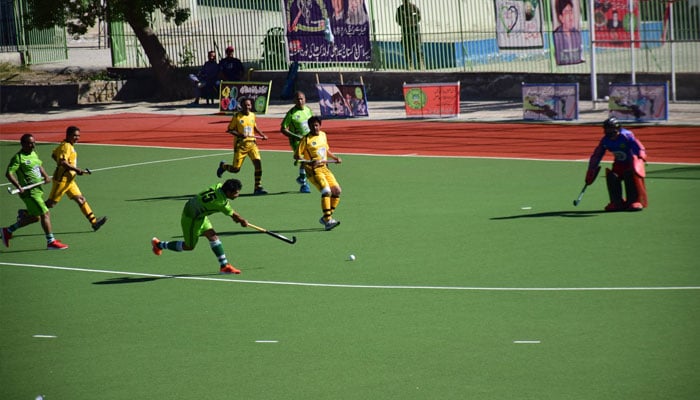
x=220, y=170
x=330, y=224
x=99, y=223
x=6, y=236
x=614, y=207
x=301, y=179
x=154, y=246
x=56, y=245
x=305, y=188
x=636, y=206
x=229, y=269
x=259, y=191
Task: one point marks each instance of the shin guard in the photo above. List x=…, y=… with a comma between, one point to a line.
x=614, y=188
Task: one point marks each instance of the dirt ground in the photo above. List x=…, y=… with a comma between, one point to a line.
x=14, y=75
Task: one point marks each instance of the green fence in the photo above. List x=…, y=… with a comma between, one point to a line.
x=36, y=45
x=456, y=36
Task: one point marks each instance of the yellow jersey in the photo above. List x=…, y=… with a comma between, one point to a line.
x=64, y=151
x=243, y=125
x=313, y=147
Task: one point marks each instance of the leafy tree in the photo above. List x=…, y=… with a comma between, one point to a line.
x=79, y=15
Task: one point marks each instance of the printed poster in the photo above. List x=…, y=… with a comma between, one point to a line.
x=566, y=32
x=613, y=23
x=327, y=30
x=638, y=102
x=519, y=24
x=231, y=94
x=342, y=101
x=430, y=100
x=550, y=101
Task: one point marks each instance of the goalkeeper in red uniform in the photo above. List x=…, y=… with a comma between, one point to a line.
x=628, y=167
x=195, y=222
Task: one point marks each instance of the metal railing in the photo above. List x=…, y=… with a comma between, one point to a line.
x=36, y=45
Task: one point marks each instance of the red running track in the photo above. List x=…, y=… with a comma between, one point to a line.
x=672, y=144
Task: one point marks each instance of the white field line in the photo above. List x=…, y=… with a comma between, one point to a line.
x=338, y=285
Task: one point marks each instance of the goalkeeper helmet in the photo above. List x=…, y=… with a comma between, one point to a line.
x=611, y=126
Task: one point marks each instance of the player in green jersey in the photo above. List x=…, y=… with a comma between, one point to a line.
x=195, y=222
x=295, y=126
x=23, y=170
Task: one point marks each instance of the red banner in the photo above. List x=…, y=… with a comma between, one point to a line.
x=432, y=100
x=614, y=23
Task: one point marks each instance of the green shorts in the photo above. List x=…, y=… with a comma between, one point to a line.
x=192, y=228
x=34, y=200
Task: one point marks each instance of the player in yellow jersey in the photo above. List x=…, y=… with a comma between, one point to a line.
x=64, y=177
x=313, y=152
x=245, y=130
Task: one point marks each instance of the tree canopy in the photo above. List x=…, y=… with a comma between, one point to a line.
x=79, y=15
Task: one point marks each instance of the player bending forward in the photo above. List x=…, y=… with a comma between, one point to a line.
x=628, y=167
x=245, y=129
x=195, y=222
x=313, y=152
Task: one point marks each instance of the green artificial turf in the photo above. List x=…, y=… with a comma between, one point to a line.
x=457, y=261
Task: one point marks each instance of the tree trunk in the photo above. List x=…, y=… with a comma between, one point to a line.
x=171, y=85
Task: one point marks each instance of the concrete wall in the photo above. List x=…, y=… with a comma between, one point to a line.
x=139, y=85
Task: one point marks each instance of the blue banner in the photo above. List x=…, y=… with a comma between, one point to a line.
x=327, y=30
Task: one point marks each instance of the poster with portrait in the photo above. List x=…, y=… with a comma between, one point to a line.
x=342, y=101
x=638, y=102
x=327, y=30
x=614, y=23
x=566, y=32
x=519, y=24
x=550, y=101
x=431, y=100
x=231, y=94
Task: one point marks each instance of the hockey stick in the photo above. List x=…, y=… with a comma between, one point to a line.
x=311, y=161
x=580, y=196
x=15, y=191
x=274, y=234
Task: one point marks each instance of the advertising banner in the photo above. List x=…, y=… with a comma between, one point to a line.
x=327, y=30
x=613, y=23
x=519, y=24
x=566, y=25
x=550, y=101
x=429, y=100
x=638, y=102
x=342, y=101
x=231, y=94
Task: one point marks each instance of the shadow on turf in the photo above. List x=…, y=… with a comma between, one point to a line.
x=185, y=197
x=685, y=173
x=182, y=197
x=566, y=214
x=142, y=279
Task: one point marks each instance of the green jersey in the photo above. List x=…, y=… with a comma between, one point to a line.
x=297, y=121
x=27, y=168
x=208, y=202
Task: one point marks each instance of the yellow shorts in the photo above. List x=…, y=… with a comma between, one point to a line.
x=64, y=187
x=243, y=150
x=321, y=177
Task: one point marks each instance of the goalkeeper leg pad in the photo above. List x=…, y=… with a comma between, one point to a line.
x=636, y=190
x=614, y=191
